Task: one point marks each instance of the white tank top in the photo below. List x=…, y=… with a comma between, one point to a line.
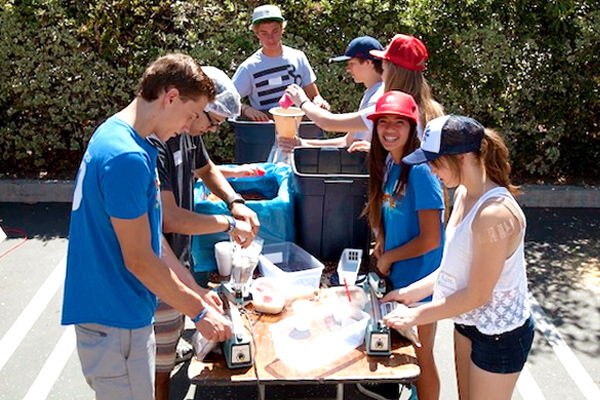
x=507, y=308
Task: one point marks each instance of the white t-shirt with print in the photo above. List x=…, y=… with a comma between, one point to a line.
x=369, y=99
x=263, y=79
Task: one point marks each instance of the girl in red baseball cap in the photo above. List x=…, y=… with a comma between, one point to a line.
x=405, y=208
x=403, y=65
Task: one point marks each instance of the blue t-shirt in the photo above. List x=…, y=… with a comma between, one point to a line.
x=117, y=178
x=263, y=79
x=401, y=221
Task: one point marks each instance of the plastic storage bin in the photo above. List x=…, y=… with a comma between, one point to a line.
x=253, y=140
x=275, y=212
x=297, y=271
x=330, y=191
x=326, y=341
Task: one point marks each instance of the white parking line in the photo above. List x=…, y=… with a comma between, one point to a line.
x=15, y=335
x=53, y=366
x=528, y=387
x=565, y=355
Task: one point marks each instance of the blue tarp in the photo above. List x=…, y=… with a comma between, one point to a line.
x=276, y=213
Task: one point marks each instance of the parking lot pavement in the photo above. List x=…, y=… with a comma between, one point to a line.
x=38, y=361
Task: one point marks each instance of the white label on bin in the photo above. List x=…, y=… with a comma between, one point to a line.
x=275, y=81
x=275, y=258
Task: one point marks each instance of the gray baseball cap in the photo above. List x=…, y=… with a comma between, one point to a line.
x=450, y=134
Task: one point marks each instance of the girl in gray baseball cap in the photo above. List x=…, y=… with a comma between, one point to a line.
x=481, y=283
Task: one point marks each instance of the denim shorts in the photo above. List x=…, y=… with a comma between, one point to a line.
x=505, y=353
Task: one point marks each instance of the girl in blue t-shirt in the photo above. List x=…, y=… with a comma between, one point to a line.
x=405, y=210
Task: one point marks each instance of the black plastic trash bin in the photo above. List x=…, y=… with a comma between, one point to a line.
x=253, y=140
x=330, y=192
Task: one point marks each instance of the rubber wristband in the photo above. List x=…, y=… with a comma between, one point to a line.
x=200, y=315
x=235, y=198
x=305, y=101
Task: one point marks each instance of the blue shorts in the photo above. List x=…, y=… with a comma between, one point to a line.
x=505, y=353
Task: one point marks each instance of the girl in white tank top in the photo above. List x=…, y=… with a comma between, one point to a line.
x=506, y=309
x=481, y=282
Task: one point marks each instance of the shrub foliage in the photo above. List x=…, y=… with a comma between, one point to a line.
x=529, y=68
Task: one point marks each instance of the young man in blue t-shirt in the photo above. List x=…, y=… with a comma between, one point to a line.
x=114, y=269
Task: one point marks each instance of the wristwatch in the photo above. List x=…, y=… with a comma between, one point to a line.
x=235, y=198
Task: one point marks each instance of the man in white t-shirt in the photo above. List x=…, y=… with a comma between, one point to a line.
x=264, y=75
x=364, y=69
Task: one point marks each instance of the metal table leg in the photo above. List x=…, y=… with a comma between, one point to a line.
x=340, y=391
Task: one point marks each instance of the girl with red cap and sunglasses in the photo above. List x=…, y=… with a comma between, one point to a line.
x=405, y=209
x=403, y=65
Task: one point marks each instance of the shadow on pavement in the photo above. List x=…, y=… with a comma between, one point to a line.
x=562, y=248
x=43, y=221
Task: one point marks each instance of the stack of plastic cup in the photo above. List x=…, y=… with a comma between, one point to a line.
x=223, y=252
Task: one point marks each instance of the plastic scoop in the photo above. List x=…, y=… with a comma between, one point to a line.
x=285, y=101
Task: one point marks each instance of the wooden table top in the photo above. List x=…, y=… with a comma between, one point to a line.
x=355, y=366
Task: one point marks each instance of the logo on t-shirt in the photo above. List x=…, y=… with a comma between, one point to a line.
x=157, y=185
x=297, y=78
x=390, y=202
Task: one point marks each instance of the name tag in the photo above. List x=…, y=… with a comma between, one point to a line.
x=275, y=81
x=447, y=282
x=177, y=157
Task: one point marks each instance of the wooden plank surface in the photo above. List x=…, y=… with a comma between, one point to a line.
x=355, y=366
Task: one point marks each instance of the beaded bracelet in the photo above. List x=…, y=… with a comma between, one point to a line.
x=232, y=222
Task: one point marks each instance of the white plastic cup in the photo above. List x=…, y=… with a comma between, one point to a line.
x=223, y=256
x=303, y=314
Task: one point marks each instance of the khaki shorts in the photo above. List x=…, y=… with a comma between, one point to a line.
x=117, y=363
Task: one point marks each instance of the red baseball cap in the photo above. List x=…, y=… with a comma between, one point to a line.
x=396, y=103
x=405, y=51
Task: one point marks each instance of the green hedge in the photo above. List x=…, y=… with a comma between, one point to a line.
x=528, y=68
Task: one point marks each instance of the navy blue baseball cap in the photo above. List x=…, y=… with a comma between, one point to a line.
x=359, y=48
x=450, y=134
